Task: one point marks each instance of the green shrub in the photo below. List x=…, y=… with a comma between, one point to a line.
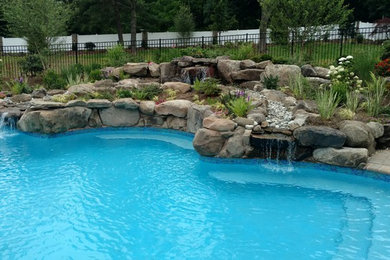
x=363, y=64
x=93, y=66
x=52, y=80
x=146, y=93
x=376, y=94
x=240, y=106
x=124, y=93
x=340, y=89
x=327, y=102
x=386, y=50
x=65, y=98
x=301, y=87
x=244, y=51
x=19, y=86
x=209, y=87
x=271, y=82
x=95, y=75
x=116, y=56
x=31, y=65
x=352, y=100
x=102, y=95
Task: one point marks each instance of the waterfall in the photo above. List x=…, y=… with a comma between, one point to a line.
x=189, y=75
x=6, y=124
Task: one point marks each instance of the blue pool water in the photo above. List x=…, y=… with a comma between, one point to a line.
x=136, y=194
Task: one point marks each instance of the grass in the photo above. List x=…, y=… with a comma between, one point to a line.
x=322, y=54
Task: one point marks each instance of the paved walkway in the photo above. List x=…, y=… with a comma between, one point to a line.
x=380, y=162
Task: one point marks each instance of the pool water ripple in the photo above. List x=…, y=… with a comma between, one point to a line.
x=137, y=193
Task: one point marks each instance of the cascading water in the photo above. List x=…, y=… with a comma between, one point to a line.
x=274, y=147
x=6, y=122
x=190, y=75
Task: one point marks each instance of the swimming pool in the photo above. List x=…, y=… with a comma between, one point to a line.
x=143, y=193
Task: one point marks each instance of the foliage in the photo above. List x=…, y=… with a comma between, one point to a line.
x=95, y=75
x=327, y=102
x=123, y=93
x=184, y=22
x=386, y=50
x=171, y=93
x=65, y=98
x=240, y=106
x=102, y=95
x=301, y=87
x=383, y=68
x=116, y=56
x=52, y=80
x=219, y=15
x=271, y=82
x=39, y=21
x=209, y=87
x=376, y=94
x=346, y=114
x=341, y=90
x=244, y=51
x=363, y=64
x=147, y=92
x=31, y=64
x=93, y=66
x=352, y=100
x=19, y=86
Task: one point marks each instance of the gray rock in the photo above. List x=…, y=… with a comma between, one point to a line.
x=234, y=146
x=307, y=105
x=53, y=92
x=274, y=95
x=21, y=98
x=322, y=72
x=39, y=93
x=208, y=142
x=226, y=68
x=94, y=119
x=317, y=82
x=126, y=103
x=258, y=117
x=153, y=121
x=283, y=72
x=319, y=136
x=168, y=71
x=218, y=124
x=263, y=64
x=117, y=117
x=247, y=64
x=247, y=75
x=136, y=69
x=147, y=107
x=308, y=71
x=178, y=108
x=106, y=84
x=178, y=86
x=241, y=121
x=195, y=116
x=127, y=84
x=82, y=89
x=54, y=121
x=347, y=157
x=76, y=103
x=176, y=123
x=290, y=101
x=258, y=130
x=377, y=129
x=154, y=70
x=252, y=85
x=37, y=104
x=99, y=103
x=358, y=135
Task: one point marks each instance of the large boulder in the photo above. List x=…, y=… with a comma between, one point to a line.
x=234, y=146
x=247, y=64
x=99, y=103
x=195, y=116
x=147, y=107
x=317, y=82
x=247, y=75
x=136, y=69
x=274, y=95
x=21, y=98
x=39, y=93
x=54, y=121
x=358, y=135
x=283, y=72
x=226, y=68
x=126, y=103
x=167, y=71
x=127, y=84
x=177, y=86
x=322, y=72
x=377, y=129
x=154, y=70
x=104, y=84
x=38, y=104
x=82, y=89
x=208, y=142
x=319, y=136
x=176, y=123
x=218, y=124
x=308, y=71
x=117, y=117
x=178, y=108
x=347, y=157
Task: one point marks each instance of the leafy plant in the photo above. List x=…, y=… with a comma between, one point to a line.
x=102, y=95
x=327, y=102
x=244, y=51
x=383, y=68
x=352, y=100
x=301, y=88
x=19, y=86
x=65, y=98
x=116, y=56
x=52, y=80
x=31, y=65
x=171, y=94
x=93, y=66
x=271, y=82
x=123, y=93
x=346, y=114
x=376, y=94
x=209, y=87
x=340, y=89
x=363, y=64
x=386, y=50
x=240, y=106
x=95, y=75
x=184, y=22
x=146, y=93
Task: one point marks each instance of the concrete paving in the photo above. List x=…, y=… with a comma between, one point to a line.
x=379, y=162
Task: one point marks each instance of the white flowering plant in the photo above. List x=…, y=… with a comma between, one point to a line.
x=343, y=73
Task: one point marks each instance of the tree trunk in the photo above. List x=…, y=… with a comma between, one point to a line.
x=265, y=16
x=133, y=25
x=118, y=21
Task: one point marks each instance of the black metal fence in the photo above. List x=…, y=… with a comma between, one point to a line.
x=320, y=47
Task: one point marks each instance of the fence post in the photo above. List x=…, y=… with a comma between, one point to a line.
x=144, y=39
x=341, y=43
x=203, y=42
x=292, y=44
x=75, y=46
x=1, y=45
x=160, y=46
x=246, y=37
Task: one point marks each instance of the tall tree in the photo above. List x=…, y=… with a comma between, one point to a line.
x=133, y=24
x=38, y=21
x=118, y=20
x=267, y=7
x=184, y=22
x=220, y=16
